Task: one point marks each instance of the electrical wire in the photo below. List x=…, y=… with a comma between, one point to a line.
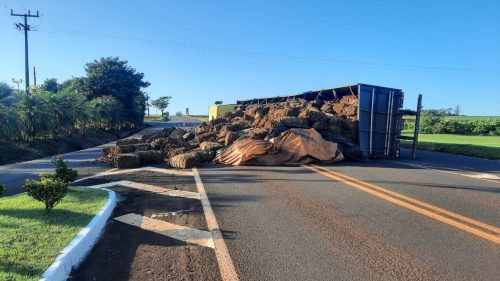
x=256, y=55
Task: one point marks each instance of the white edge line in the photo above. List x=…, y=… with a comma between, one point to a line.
x=80, y=246
x=226, y=267
x=446, y=171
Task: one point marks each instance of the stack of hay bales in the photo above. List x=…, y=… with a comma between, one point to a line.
x=180, y=148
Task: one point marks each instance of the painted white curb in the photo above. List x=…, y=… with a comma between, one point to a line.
x=80, y=246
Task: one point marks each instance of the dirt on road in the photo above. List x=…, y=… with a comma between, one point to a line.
x=126, y=252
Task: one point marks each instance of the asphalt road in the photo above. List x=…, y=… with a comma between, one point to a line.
x=13, y=175
x=292, y=223
x=433, y=218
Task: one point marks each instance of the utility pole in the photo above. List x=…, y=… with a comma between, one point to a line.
x=34, y=76
x=26, y=28
x=146, y=96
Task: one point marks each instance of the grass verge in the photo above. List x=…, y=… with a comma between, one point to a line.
x=31, y=238
x=18, y=151
x=202, y=118
x=476, y=146
x=154, y=117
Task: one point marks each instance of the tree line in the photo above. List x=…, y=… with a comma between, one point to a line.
x=109, y=96
x=434, y=121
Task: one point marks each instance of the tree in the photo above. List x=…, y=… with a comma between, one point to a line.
x=456, y=111
x=6, y=94
x=75, y=84
x=161, y=103
x=50, y=85
x=113, y=77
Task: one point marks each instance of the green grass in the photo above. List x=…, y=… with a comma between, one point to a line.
x=477, y=146
x=461, y=117
x=202, y=118
x=153, y=117
x=31, y=238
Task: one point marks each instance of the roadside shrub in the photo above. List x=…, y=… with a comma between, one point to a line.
x=408, y=125
x=49, y=190
x=432, y=124
x=2, y=188
x=63, y=172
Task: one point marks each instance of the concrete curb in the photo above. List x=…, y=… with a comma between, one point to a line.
x=80, y=246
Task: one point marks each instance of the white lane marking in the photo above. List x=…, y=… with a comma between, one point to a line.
x=116, y=171
x=182, y=233
x=226, y=267
x=150, y=169
x=150, y=188
x=478, y=176
x=96, y=175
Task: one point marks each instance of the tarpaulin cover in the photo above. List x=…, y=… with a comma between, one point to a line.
x=293, y=146
x=243, y=151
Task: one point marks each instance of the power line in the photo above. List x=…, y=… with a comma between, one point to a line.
x=258, y=55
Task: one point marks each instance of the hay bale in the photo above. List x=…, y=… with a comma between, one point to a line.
x=317, y=103
x=142, y=146
x=210, y=146
x=218, y=120
x=312, y=115
x=209, y=136
x=128, y=148
x=155, y=137
x=188, y=136
x=108, y=151
x=158, y=143
x=186, y=160
x=238, y=126
x=230, y=138
x=150, y=156
x=177, y=133
x=127, y=141
x=222, y=132
x=294, y=122
x=175, y=151
x=258, y=133
x=127, y=161
x=145, y=137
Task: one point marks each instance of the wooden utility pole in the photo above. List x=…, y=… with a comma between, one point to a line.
x=34, y=76
x=417, y=127
x=26, y=28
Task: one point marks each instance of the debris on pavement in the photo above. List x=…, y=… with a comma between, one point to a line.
x=290, y=132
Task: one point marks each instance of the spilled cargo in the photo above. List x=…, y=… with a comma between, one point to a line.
x=353, y=122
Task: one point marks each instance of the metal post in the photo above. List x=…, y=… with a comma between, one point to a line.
x=417, y=127
x=371, y=121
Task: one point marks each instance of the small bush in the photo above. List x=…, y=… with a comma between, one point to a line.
x=49, y=190
x=63, y=172
x=2, y=188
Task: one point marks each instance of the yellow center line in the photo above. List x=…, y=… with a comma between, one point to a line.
x=377, y=192
x=415, y=201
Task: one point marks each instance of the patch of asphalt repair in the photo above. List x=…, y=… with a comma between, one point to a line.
x=126, y=252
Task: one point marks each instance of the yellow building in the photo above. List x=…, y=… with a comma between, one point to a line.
x=215, y=111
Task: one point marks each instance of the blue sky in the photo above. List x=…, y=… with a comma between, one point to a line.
x=202, y=51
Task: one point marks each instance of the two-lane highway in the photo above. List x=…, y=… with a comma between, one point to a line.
x=379, y=220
